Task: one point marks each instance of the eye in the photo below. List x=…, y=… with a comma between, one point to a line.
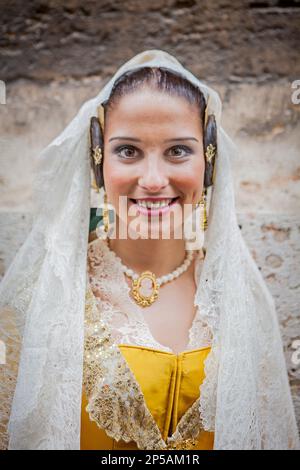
x=179, y=149
x=128, y=151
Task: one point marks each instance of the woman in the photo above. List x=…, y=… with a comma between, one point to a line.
x=146, y=347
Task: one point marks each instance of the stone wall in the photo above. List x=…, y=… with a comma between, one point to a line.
x=222, y=39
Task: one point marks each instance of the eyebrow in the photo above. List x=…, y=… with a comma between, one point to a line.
x=138, y=140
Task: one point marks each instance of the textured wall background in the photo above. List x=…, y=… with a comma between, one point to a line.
x=54, y=55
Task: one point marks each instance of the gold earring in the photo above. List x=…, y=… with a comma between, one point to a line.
x=102, y=230
x=106, y=214
x=202, y=204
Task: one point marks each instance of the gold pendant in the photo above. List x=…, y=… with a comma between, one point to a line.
x=141, y=291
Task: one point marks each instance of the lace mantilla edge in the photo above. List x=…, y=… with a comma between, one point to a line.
x=116, y=402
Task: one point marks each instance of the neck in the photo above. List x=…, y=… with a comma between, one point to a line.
x=159, y=256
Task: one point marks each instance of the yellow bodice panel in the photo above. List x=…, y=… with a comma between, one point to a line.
x=170, y=384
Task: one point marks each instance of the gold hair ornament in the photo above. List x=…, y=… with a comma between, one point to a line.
x=97, y=155
x=210, y=152
x=97, y=151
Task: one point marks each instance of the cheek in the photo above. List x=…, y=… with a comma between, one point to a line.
x=190, y=179
x=117, y=178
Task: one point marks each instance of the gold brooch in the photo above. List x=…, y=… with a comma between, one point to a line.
x=142, y=298
x=97, y=155
x=210, y=152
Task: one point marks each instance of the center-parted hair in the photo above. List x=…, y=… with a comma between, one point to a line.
x=160, y=79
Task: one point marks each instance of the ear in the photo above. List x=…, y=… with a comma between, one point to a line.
x=96, y=144
x=210, y=149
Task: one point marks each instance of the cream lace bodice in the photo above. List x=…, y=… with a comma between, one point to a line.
x=119, y=311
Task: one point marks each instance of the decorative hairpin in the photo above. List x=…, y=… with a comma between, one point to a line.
x=210, y=152
x=97, y=155
x=97, y=151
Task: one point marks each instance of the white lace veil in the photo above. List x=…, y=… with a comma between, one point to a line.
x=245, y=397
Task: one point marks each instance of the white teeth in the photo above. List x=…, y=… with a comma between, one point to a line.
x=154, y=205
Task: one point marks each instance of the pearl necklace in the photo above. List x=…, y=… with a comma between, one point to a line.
x=142, y=299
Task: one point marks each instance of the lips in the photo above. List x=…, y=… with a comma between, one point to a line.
x=154, y=211
x=155, y=200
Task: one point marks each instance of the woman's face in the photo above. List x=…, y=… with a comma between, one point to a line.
x=153, y=149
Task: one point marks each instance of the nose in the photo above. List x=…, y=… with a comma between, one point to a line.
x=153, y=176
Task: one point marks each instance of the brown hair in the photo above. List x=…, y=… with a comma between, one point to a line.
x=159, y=78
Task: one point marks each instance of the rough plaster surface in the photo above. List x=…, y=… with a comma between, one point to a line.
x=274, y=243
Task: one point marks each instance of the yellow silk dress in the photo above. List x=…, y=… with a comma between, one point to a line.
x=170, y=384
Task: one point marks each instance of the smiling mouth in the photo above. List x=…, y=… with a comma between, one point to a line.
x=154, y=204
x=156, y=208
